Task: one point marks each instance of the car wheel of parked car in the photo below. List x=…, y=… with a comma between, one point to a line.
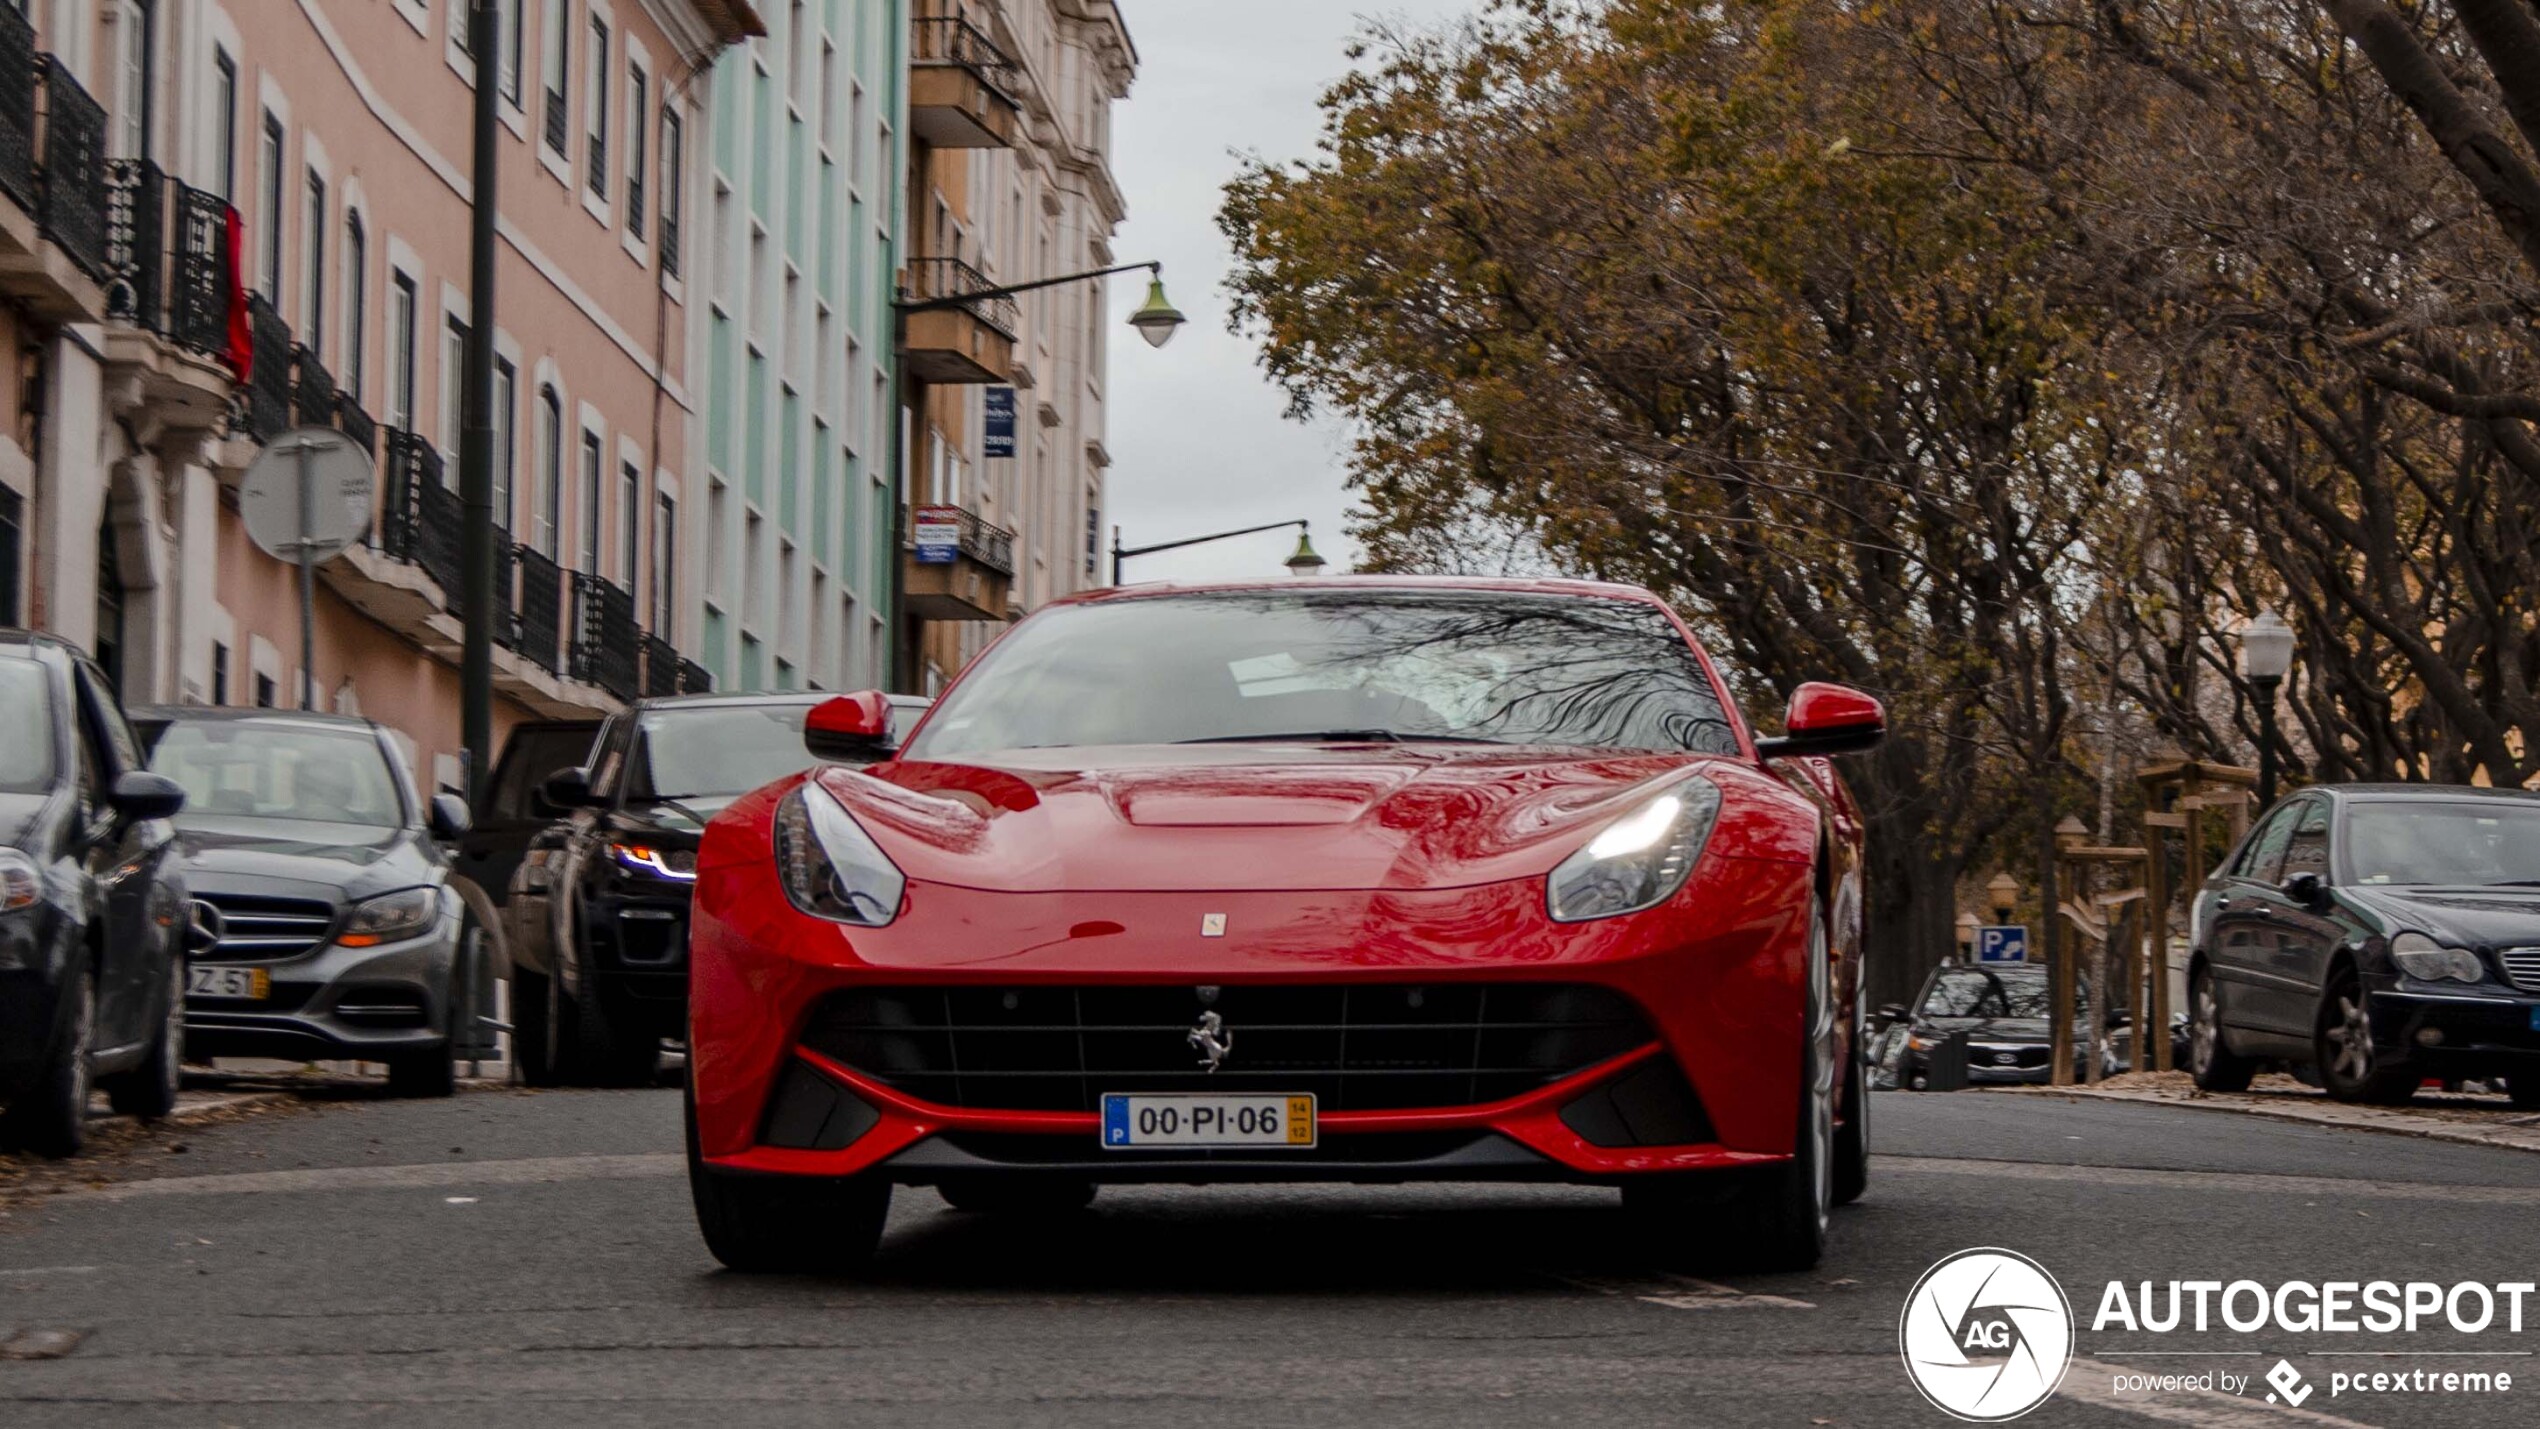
x=533, y=1027
x=1018, y=1195
x=1852, y=1138
x=149, y=1091
x=2524, y=1089
x=2210, y=1060
x=603, y=1054
x=2342, y=1041
x=50, y=1118
x=777, y=1224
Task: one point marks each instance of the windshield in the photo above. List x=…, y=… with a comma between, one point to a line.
x=714, y=751
x=2456, y=842
x=26, y=709
x=1987, y=992
x=1337, y=665
x=249, y=769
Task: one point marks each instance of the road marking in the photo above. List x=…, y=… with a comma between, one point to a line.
x=2094, y=1382
x=1683, y=1292
x=2259, y=1183
x=526, y=1171
x=52, y=1270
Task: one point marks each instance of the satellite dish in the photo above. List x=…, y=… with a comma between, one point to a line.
x=333, y=512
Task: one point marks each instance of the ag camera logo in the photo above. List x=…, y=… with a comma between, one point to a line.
x=1986, y=1335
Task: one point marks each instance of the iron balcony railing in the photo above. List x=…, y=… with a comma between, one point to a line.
x=313, y=396
x=353, y=422
x=540, y=609
x=661, y=667
x=269, y=380
x=942, y=35
x=71, y=194
x=989, y=545
x=605, y=643
x=694, y=679
x=18, y=71
x=939, y=278
x=419, y=515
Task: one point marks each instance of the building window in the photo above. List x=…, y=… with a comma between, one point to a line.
x=507, y=22
x=672, y=188
x=506, y=442
x=718, y=536
x=665, y=563
x=264, y=692
x=356, y=302
x=135, y=62
x=313, y=311
x=596, y=153
x=269, y=253
x=546, y=520
x=225, y=122
x=797, y=50
x=12, y=552
x=401, y=352
x=1093, y=542
x=453, y=392
x=559, y=60
x=638, y=106
x=592, y=469
x=630, y=520
x=220, y=673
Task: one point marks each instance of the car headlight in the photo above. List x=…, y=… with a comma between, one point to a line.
x=390, y=917
x=1639, y=860
x=21, y=882
x=830, y=866
x=679, y=865
x=2421, y=957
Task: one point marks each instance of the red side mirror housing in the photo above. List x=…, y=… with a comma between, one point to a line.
x=1826, y=719
x=849, y=728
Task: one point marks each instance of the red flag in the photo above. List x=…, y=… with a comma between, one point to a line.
x=241, y=356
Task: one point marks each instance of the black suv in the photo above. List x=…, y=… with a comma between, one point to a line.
x=597, y=915
x=92, y=964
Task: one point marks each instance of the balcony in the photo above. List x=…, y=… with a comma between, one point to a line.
x=969, y=343
x=53, y=174
x=960, y=85
x=269, y=386
x=606, y=641
x=973, y=581
x=538, y=611
x=168, y=298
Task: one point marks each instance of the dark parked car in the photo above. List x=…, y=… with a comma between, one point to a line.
x=598, y=912
x=323, y=923
x=515, y=811
x=90, y=904
x=2379, y=934
x=2003, y=1010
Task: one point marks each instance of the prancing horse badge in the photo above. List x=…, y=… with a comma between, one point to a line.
x=1212, y=925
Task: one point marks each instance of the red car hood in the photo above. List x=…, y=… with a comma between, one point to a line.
x=1231, y=817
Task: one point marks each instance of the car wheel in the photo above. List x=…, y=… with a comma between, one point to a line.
x=2524, y=1089
x=1852, y=1137
x=2349, y=1068
x=760, y=1225
x=608, y=1054
x=533, y=1028
x=1018, y=1194
x=50, y=1118
x=2210, y=1060
x=149, y=1091
x=423, y=1074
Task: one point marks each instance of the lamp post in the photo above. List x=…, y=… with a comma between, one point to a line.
x=2266, y=654
x=2003, y=895
x=1304, y=563
x=1967, y=925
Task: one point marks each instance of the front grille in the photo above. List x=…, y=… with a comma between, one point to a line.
x=1356, y=1048
x=1983, y=1055
x=244, y=927
x=2522, y=967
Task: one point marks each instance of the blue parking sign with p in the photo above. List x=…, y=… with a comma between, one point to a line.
x=2002, y=943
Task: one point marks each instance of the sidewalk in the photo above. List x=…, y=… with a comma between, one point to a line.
x=2474, y=1120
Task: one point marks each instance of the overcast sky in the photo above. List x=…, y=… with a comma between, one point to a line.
x=1197, y=437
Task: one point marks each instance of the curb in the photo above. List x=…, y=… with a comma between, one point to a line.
x=2525, y=1139
x=214, y=1106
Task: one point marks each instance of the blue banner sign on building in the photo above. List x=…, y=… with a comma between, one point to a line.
x=1000, y=423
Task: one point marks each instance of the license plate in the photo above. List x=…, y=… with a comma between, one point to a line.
x=1203, y=1119
x=250, y=984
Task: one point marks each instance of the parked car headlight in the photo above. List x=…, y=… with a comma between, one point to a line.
x=2421, y=957
x=21, y=882
x=1639, y=860
x=830, y=866
x=679, y=865
x=390, y=917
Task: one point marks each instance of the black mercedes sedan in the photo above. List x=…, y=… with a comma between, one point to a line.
x=2382, y=934
x=2002, y=1009
x=323, y=923
x=90, y=904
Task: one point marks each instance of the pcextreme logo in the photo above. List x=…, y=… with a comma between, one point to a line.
x=1986, y=1335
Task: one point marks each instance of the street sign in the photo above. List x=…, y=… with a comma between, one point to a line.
x=1000, y=432
x=2002, y=943
x=935, y=531
x=304, y=499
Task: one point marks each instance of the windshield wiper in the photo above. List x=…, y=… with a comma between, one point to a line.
x=1338, y=736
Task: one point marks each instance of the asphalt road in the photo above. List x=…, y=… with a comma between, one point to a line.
x=509, y=1257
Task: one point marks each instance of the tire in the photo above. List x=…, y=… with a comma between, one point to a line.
x=1018, y=1195
x=533, y=1039
x=2210, y=1059
x=1772, y=1220
x=2524, y=1089
x=148, y=1091
x=423, y=1074
x=585, y=1049
x=2341, y=1041
x=50, y=1118
x=1852, y=1136
x=774, y=1225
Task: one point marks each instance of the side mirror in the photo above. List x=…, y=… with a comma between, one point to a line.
x=2306, y=889
x=567, y=788
x=141, y=796
x=849, y=728
x=1826, y=719
x=449, y=816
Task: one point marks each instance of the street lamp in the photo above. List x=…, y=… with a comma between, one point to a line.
x=1156, y=319
x=1303, y=563
x=2266, y=653
x=2003, y=893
